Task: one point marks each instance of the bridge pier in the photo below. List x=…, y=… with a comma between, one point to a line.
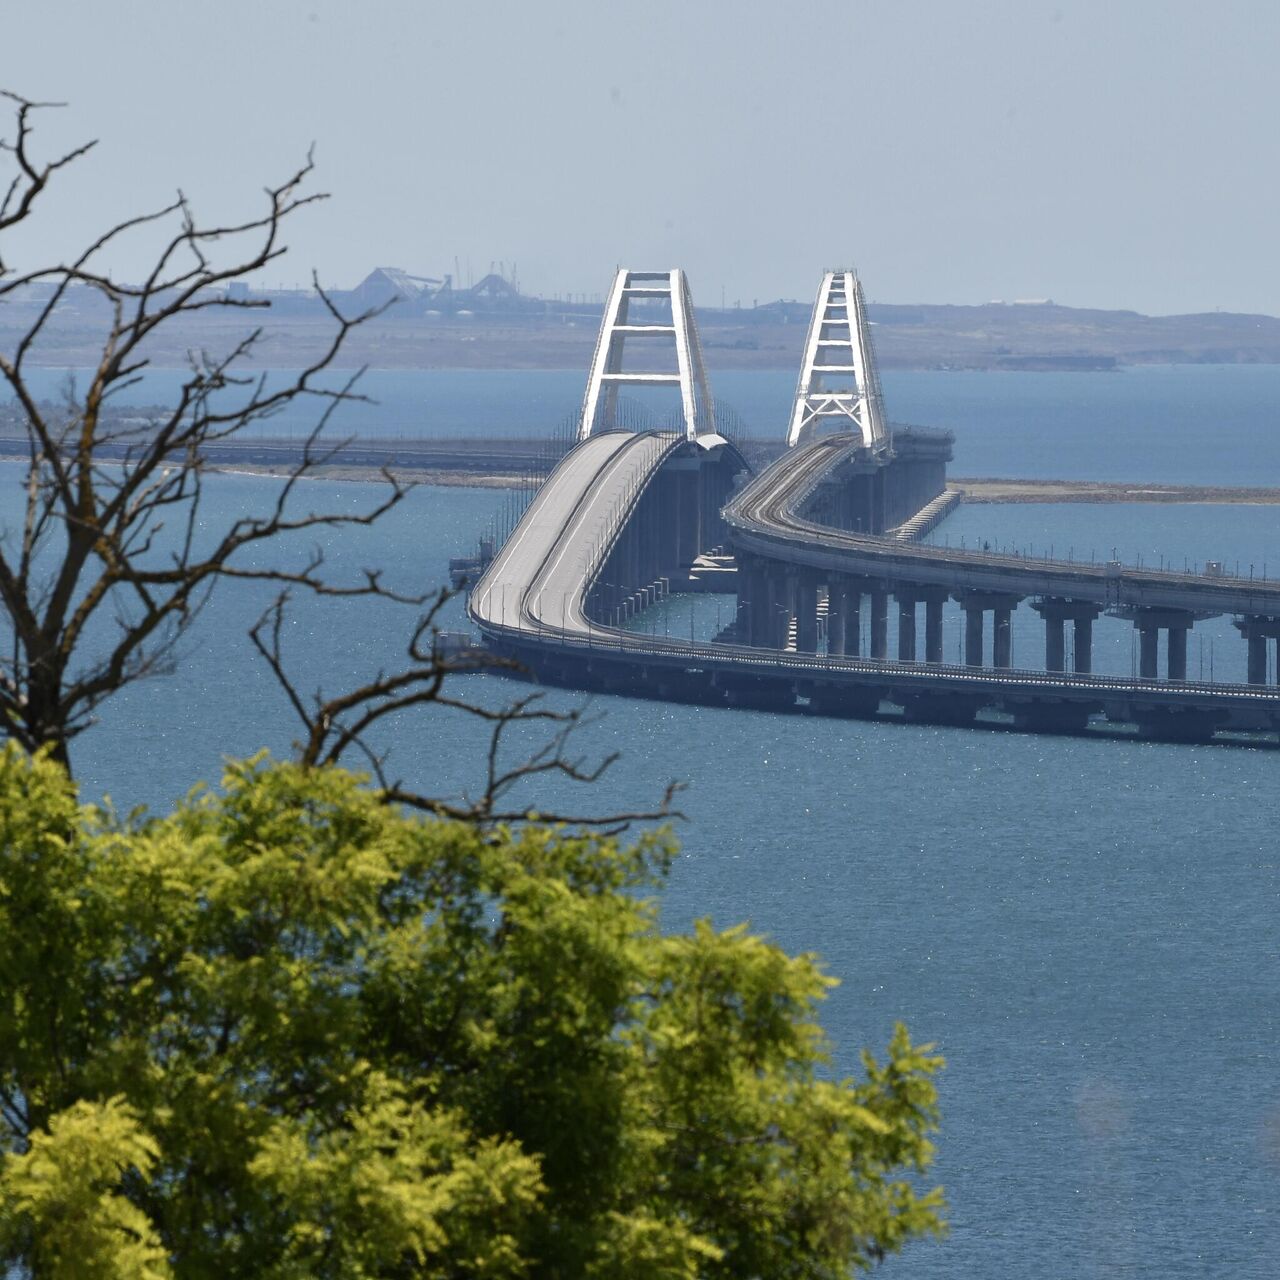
x=1259, y=632
x=1148, y=651
x=909, y=598
x=972, y=637
x=933, y=602
x=844, y=616
x=975, y=604
x=879, y=623
x=783, y=598
x=1174, y=724
x=924, y=707
x=804, y=592
x=906, y=625
x=1083, y=625
x=742, y=602
x=1056, y=613
x=1002, y=637
x=853, y=620
x=837, y=607
x=1052, y=717
x=1150, y=622
x=760, y=606
x=1176, y=652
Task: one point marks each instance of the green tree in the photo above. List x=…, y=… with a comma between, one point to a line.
x=290, y=1031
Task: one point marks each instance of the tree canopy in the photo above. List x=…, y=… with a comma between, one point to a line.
x=290, y=1030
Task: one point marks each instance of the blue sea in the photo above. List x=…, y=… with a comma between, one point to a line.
x=1090, y=931
x=1209, y=424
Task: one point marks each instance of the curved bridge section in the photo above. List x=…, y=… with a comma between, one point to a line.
x=591, y=550
x=789, y=557
x=622, y=519
x=770, y=519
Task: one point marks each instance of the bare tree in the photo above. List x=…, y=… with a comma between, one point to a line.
x=339, y=726
x=113, y=507
x=111, y=564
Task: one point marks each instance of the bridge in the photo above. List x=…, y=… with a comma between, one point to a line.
x=814, y=548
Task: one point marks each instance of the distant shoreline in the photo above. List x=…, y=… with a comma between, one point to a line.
x=995, y=337
x=990, y=490
x=979, y=491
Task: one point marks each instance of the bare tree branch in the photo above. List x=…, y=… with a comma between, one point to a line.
x=114, y=519
x=115, y=527
x=335, y=727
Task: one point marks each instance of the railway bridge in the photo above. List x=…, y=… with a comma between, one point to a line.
x=815, y=548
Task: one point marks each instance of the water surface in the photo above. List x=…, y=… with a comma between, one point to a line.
x=1087, y=929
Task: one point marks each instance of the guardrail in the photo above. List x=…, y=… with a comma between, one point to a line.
x=603, y=639
x=767, y=507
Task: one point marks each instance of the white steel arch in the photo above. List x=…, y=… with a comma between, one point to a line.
x=839, y=349
x=600, y=404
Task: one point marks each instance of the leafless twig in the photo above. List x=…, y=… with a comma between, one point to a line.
x=340, y=726
x=114, y=522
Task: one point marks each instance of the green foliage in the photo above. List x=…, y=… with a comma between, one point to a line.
x=63, y=1209
x=289, y=1031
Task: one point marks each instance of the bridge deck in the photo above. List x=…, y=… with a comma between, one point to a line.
x=539, y=578
x=764, y=516
x=530, y=602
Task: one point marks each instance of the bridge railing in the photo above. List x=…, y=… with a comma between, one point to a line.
x=773, y=500
x=602, y=638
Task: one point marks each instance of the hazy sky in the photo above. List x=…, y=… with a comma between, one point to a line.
x=1117, y=154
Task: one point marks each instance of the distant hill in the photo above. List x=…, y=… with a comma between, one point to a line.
x=998, y=334
x=499, y=328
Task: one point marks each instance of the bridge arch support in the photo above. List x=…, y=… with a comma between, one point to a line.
x=838, y=379
x=651, y=311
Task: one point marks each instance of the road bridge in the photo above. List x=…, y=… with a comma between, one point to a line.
x=625, y=518
x=775, y=535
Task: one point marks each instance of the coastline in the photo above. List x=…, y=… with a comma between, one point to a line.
x=978, y=491
x=993, y=490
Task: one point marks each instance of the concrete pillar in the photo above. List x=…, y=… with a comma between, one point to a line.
x=933, y=628
x=1057, y=612
x=1257, y=658
x=906, y=627
x=785, y=609
x=880, y=500
x=771, y=607
x=1148, y=652
x=1002, y=639
x=1258, y=632
x=1150, y=622
x=973, y=635
x=1083, y=625
x=879, y=624
x=975, y=604
x=747, y=602
x=836, y=605
x=765, y=615
x=1055, y=642
x=806, y=606
x=853, y=620
x=1178, y=653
